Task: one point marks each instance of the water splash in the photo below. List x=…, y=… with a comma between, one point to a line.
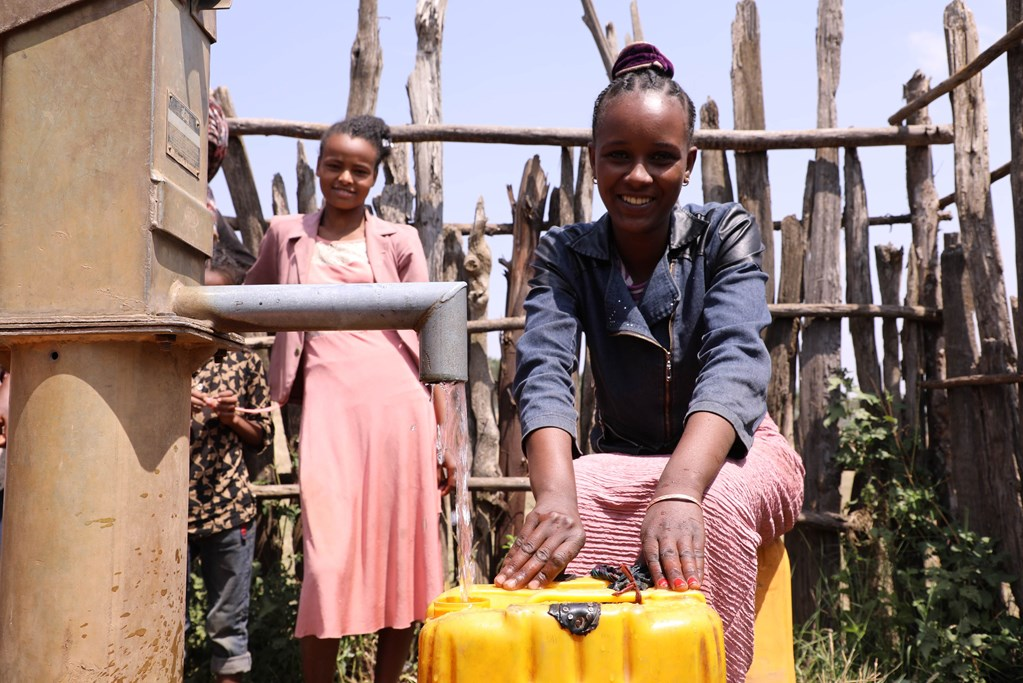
x=453, y=437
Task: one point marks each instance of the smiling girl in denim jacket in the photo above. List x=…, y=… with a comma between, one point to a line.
x=690, y=475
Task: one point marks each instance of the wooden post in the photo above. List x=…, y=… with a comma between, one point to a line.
x=278, y=196
x=973, y=185
x=1014, y=62
x=889, y=277
x=240, y=183
x=923, y=288
x=561, y=211
x=1002, y=451
x=816, y=553
x=714, y=176
x=857, y=268
x=582, y=202
x=424, y=94
x=395, y=202
x=783, y=335
x=527, y=218
x=367, y=62
x=306, y=192
x=751, y=175
x=960, y=333
x=605, y=43
x=489, y=507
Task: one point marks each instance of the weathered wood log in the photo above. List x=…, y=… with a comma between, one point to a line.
x=857, y=273
x=920, y=345
x=826, y=521
x=637, y=27
x=395, y=202
x=607, y=49
x=586, y=400
x=782, y=337
x=1000, y=442
x=973, y=381
x=751, y=176
x=582, y=202
x=815, y=555
x=367, y=62
x=1014, y=64
x=996, y=174
x=490, y=508
x=889, y=277
x=306, y=193
x=240, y=182
x=481, y=384
x=973, y=196
x=983, y=481
x=778, y=311
x=278, y=196
x=964, y=72
x=527, y=216
x=894, y=219
x=714, y=176
x=738, y=140
x=561, y=211
x=424, y=94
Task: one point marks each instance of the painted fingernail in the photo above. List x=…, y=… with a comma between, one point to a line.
x=662, y=583
x=694, y=582
x=678, y=583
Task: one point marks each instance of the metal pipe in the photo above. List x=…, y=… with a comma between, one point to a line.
x=436, y=310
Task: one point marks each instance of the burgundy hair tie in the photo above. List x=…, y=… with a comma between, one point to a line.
x=641, y=56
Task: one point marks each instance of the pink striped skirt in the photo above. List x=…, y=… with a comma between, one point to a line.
x=751, y=502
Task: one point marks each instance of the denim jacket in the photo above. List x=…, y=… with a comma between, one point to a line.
x=692, y=343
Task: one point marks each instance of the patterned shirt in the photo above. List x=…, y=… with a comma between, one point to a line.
x=219, y=497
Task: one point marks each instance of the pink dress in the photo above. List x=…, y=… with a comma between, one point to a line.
x=367, y=473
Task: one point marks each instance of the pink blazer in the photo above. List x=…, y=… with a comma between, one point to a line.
x=285, y=257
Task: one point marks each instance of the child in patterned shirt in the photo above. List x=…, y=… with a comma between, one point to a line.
x=221, y=508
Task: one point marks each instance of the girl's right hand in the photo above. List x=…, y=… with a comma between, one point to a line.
x=552, y=535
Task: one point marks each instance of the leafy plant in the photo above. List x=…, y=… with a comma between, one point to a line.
x=922, y=594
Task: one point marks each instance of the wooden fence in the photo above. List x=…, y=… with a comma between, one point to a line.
x=952, y=366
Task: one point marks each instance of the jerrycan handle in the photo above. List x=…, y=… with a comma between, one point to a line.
x=578, y=596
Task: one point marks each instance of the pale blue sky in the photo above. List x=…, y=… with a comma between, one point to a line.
x=531, y=63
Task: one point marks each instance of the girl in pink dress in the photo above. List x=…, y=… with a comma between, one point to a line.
x=368, y=474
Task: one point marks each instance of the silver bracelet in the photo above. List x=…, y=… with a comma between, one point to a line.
x=676, y=496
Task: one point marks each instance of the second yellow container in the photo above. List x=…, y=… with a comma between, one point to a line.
x=576, y=631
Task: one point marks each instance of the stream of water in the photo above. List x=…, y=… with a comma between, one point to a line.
x=453, y=437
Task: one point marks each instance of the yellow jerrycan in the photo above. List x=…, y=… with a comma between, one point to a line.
x=576, y=631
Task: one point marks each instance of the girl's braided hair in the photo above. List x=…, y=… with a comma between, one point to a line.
x=369, y=128
x=639, y=67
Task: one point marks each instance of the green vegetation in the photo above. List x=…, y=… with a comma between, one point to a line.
x=920, y=597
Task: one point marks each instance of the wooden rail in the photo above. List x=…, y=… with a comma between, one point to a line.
x=778, y=311
x=738, y=140
x=1014, y=35
x=819, y=520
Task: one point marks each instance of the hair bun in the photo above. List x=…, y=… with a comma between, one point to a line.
x=638, y=56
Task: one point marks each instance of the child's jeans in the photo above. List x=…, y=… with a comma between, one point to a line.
x=226, y=562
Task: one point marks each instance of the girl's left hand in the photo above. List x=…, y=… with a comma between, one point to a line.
x=672, y=544
x=447, y=471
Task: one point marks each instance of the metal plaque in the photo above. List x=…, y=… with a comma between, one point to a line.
x=183, y=135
